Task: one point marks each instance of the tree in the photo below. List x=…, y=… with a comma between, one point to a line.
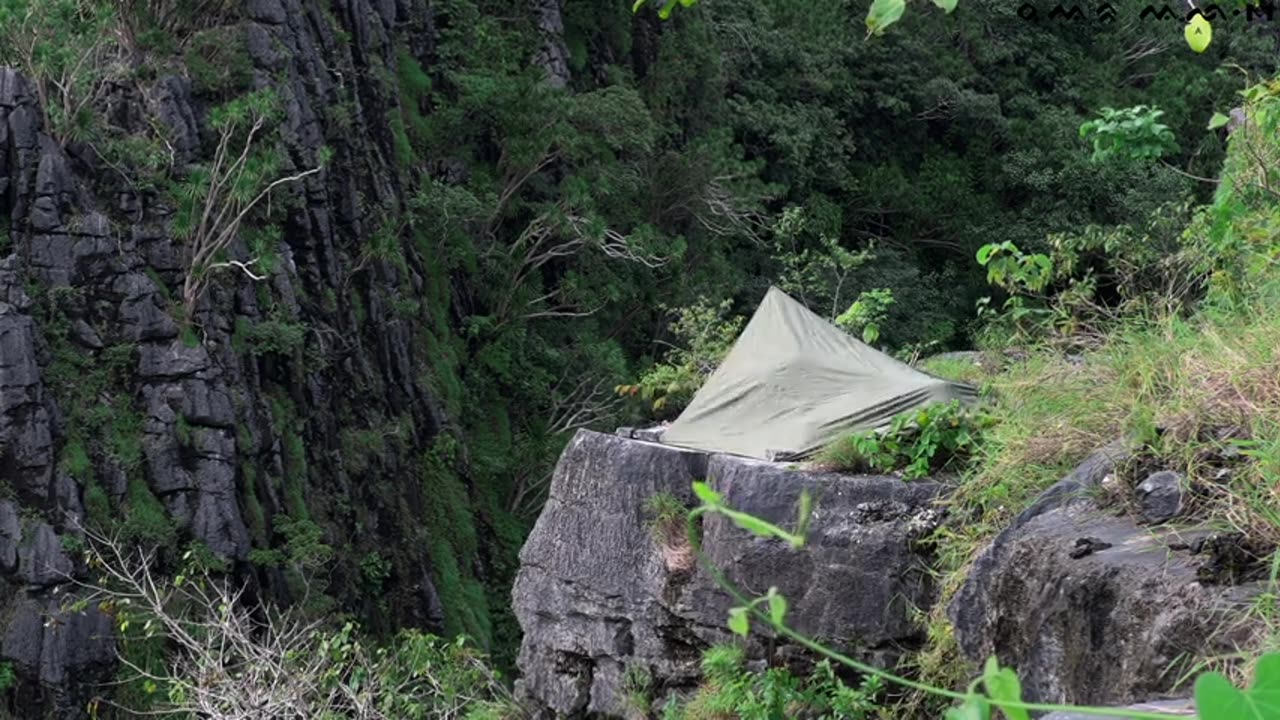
x=65, y=47
x=215, y=199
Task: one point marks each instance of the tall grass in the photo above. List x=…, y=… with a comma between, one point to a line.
x=1185, y=390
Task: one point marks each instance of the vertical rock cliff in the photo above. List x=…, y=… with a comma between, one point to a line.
x=309, y=406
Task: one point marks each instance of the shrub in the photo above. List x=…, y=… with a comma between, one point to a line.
x=284, y=664
x=916, y=443
x=730, y=690
x=1134, y=133
x=864, y=316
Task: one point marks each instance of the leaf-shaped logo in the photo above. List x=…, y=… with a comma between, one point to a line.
x=1198, y=33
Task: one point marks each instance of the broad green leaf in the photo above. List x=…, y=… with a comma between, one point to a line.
x=706, y=494
x=1002, y=685
x=1218, y=120
x=777, y=607
x=1198, y=33
x=985, y=252
x=739, y=622
x=947, y=5
x=882, y=14
x=1218, y=699
x=975, y=707
x=755, y=525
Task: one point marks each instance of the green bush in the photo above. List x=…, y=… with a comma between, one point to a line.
x=218, y=61
x=917, y=443
x=730, y=690
x=1134, y=133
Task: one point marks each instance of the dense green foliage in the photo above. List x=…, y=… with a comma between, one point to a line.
x=932, y=439
x=611, y=235
x=730, y=690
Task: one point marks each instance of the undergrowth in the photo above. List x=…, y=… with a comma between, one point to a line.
x=1173, y=385
x=916, y=443
x=730, y=689
x=1180, y=360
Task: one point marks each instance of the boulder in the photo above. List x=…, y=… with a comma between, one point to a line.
x=597, y=594
x=1160, y=496
x=1088, y=607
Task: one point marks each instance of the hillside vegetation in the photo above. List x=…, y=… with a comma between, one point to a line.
x=305, y=299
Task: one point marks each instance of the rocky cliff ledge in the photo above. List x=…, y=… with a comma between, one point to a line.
x=1089, y=605
x=1093, y=608
x=595, y=595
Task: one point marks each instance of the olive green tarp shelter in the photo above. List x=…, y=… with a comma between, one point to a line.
x=793, y=382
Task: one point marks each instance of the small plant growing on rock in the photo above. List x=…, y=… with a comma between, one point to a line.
x=731, y=690
x=666, y=517
x=637, y=689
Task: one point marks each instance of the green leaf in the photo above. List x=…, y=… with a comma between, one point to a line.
x=975, y=707
x=1218, y=120
x=947, y=5
x=806, y=511
x=1218, y=699
x=706, y=494
x=1198, y=33
x=777, y=606
x=870, y=333
x=739, y=623
x=755, y=525
x=1003, y=686
x=884, y=13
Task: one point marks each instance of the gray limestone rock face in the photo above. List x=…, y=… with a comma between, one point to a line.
x=553, y=56
x=596, y=594
x=41, y=558
x=1090, y=608
x=65, y=653
x=26, y=439
x=93, y=273
x=10, y=536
